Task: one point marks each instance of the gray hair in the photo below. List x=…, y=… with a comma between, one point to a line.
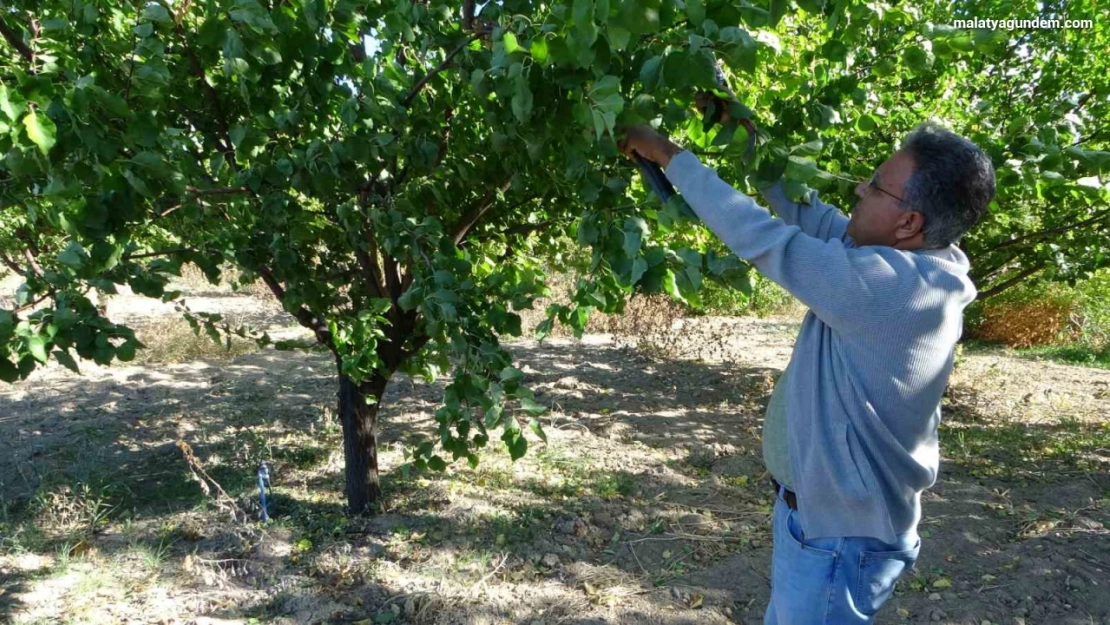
x=952, y=183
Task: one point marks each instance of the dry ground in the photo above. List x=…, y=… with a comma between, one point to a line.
x=648, y=503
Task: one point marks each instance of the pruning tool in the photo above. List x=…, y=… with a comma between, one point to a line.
x=653, y=174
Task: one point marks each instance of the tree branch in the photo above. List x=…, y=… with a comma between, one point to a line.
x=447, y=115
x=1093, y=135
x=471, y=217
x=12, y=265
x=16, y=42
x=35, y=266
x=224, y=143
x=369, y=270
x=1014, y=281
x=303, y=315
x=987, y=273
x=34, y=303
x=438, y=68
x=196, y=193
x=1042, y=233
x=180, y=250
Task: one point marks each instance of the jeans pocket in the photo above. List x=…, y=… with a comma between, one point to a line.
x=826, y=547
x=878, y=571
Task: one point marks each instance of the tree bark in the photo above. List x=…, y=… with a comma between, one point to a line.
x=360, y=441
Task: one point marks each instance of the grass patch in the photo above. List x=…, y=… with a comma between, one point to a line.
x=1077, y=354
x=172, y=340
x=1042, y=452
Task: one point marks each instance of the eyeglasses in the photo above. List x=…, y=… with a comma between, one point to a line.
x=871, y=184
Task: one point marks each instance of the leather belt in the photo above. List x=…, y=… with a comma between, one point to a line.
x=787, y=495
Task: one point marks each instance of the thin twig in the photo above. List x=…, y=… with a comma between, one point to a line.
x=437, y=69
x=642, y=569
x=482, y=582
x=195, y=468
x=14, y=41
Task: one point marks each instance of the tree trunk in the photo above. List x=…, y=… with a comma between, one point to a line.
x=360, y=440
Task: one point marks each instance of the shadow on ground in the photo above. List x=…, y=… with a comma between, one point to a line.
x=647, y=505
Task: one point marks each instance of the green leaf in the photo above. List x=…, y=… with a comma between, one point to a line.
x=36, y=344
x=436, y=463
x=537, y=429
x=778, y=9
x=812, y=6
x=635, y=228
x=800, y=169
x=411, y=298
x=510, y=42
x=670, y=286
x=588, y=229
x=824, y=116
x=539, y=50
x=811, y=148
x=522, y=102
x=639, y=267
x=7, y=325
x=126, y=351
x=531, y=407
x=41, y=130
x=650, y=73
x=641, y=17
x=884, y=67
x=695, y=11
x=599, y=123
x=73, y=256
x=512, y=374
x=253, y=14
x=583, y=11
x=517, y=444
x=155, y=12
x=11, y=104
x=619, y=37
x=865, y=123
x=917, y=58
x=493, y=415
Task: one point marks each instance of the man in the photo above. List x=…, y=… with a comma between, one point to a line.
x=851, y=430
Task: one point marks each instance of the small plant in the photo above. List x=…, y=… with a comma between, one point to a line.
x=81, y=509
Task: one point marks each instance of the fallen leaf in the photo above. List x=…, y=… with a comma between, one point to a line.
x=942, y=583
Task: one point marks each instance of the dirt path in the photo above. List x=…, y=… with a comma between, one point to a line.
x=646, y=505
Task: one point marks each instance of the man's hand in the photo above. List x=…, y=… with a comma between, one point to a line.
x=644, y=141
x=702, y=100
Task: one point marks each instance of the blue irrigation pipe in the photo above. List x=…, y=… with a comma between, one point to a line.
x=263, y=484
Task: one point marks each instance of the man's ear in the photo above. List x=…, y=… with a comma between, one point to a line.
x=910, y=224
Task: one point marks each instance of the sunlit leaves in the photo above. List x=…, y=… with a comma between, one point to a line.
x=918, y=59
x=605, y=104
x=41, y=130
x=328, y=158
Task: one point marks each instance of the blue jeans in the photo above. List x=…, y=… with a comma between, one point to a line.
x=831, y=581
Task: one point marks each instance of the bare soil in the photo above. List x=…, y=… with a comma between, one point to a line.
x=647, y=504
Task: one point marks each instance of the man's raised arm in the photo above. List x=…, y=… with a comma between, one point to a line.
x=817, y=219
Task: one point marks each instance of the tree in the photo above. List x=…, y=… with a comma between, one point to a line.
x=399, y=174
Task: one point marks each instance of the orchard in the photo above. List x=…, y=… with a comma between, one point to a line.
x=405, y=177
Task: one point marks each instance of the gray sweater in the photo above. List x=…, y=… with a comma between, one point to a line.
x=871, y=360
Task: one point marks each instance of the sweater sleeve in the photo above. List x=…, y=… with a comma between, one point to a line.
x=817, y=219
x=846, y=287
